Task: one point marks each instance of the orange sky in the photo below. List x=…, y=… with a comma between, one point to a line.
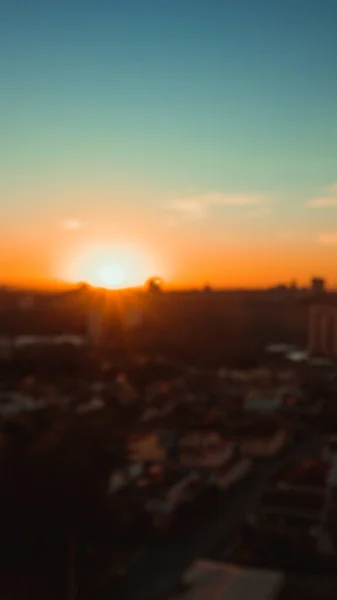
x=206, y=140
x=43, y=258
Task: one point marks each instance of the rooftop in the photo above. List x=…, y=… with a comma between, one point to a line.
x=221, y=581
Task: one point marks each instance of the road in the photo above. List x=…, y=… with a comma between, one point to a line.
x=163, y=566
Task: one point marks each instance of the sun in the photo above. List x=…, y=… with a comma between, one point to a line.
x=111, y=267
x=113, y=276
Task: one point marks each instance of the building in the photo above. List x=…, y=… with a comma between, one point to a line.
x=318, y=285
x=258, y=438
x=166, y=496
x=323, y=331
x=303, y=505
x=94, y=326
x=216, y=580
x=204, y=449
x=146, y=447
x=154, y=285
x=264, y=445
x=232, y=472
x=262, y=400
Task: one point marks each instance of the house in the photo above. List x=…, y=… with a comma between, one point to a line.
x=232, y=472
x=262, y=400
x=283, y=397
x=259, y=438
x=122, y=477
x=204, y=449
x=146, y=447
x=223, y=581
x=154, y=412
x=13, y=403
x=175, y=488
x=71, y=340
x=94, y=405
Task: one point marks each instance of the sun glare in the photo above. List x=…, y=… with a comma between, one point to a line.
x=110, y=267
x=113, y=276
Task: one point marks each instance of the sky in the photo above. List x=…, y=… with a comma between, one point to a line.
x=199, y=135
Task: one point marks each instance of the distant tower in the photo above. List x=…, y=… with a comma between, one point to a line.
x=323, y=331
x=154, y=285
x=95, y=321
x=318, y=285
x=94, y=326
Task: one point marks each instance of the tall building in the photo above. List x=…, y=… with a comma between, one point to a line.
x=95, y=318
x=318, y=285
x=94, y=326
x=323, y=331
x=154, y=285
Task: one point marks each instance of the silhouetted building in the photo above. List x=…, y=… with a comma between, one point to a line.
x=154, y=285
x=318, y=285
x=95, y=321
x=323, y=331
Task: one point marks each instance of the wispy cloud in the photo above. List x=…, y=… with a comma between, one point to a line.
x=71, y=224
x=198, y=206
x=326, y=200
x=327, y=239
x=189, y=208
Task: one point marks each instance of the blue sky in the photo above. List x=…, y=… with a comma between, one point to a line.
x=167, y=104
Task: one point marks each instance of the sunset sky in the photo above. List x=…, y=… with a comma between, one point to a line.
x=198, y=135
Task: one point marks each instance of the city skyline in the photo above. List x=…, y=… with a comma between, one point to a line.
x=196, y=141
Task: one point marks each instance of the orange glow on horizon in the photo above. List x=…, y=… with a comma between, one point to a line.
x=109, y=266
x=43, y=259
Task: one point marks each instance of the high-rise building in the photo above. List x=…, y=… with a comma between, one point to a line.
x=154, y=285
x=95, y=318
x=94, y=326
x=323, y=331
x=318, y=285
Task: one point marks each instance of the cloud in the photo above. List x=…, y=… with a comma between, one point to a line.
x=197, y=207
x=324, y=202
x=327, y=239
x=188, y=208
x=259, y=213
x=72, y=224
